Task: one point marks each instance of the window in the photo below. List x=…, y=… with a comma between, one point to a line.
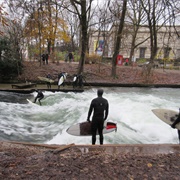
x=142, y=52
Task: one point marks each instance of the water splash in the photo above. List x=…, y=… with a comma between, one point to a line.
x=130, y=108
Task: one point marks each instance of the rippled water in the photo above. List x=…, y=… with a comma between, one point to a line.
x=130, y=108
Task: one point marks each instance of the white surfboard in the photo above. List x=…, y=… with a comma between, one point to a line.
x=61, y=80
x=74, y=79
x=168, y=116
x=84, y=129
x=29, y=101
x=45, y=79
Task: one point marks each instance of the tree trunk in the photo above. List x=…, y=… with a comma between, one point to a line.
x=84, y=36
x=118, y=40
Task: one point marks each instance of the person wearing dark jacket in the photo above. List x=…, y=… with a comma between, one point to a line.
x=70, y=57
x=100, y=108
x=43, y=58
x=174, y=124
x=46, y=57
x=39, y=96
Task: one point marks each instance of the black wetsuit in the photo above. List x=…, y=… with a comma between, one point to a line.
x=39, y=96
x=80, y=80
x=70, y=57
x=48, y=83
x=75, y=82
x=101, y=110
x=175, y=122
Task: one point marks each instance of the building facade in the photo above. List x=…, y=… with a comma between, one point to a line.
x=168, y=43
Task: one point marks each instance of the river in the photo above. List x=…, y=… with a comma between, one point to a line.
x=130, y=108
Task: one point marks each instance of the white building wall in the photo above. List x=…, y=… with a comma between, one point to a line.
x=167, y=38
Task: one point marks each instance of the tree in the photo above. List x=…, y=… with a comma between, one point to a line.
x=11, y=51
x=82, y=9
x=102, y=21
x=3, y=20
x=135, y=19
x=43, y=24
x=46, y=24
x=157, y=16
x=72, y=22
x=118, y=38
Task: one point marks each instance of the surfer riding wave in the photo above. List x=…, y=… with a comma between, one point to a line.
x=39, y=96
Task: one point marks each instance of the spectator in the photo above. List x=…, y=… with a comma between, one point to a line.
x=70, y=57
x=46, y=58
x=43, y=58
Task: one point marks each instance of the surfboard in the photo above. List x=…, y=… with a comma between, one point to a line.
x=45, y=79
x=74, y=79
x=61, y=80
x=84, y=129
x=166, y=115
x=29, y=101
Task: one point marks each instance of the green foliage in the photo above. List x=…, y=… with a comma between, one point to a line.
x=33, y=51
x=142, y=60
x=60, y=55
x=10, y=63
x=9, y=68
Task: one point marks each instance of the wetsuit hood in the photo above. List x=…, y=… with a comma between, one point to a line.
x=100, y=92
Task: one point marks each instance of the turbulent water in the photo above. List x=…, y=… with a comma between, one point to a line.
x=130, y=108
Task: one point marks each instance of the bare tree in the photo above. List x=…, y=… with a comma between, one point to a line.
x=135, y=19
x=3, y=20
x=82, y=9
x=103, y=22
x=118, y=38
x=158, y=13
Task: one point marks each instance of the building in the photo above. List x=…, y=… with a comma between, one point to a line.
x=168, y=43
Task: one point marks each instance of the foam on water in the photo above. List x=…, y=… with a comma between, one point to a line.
x=130, y=108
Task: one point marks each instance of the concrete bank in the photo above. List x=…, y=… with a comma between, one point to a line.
x=43, y=87
x=141, y=149
x=69, y=88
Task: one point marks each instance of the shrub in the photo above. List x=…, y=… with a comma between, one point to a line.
x=92, y=59
x=10, y=63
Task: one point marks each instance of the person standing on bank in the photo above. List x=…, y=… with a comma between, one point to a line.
x=100, y=108
x=70, y=57
x=48, y=83
x=46, y=57
x=43, y=58
x=174, y=124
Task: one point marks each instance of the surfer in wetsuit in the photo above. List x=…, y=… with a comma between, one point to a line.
x=39, y=96
x=174, y=124
x=48, y=83
x=100, y=108
x=75, y=81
